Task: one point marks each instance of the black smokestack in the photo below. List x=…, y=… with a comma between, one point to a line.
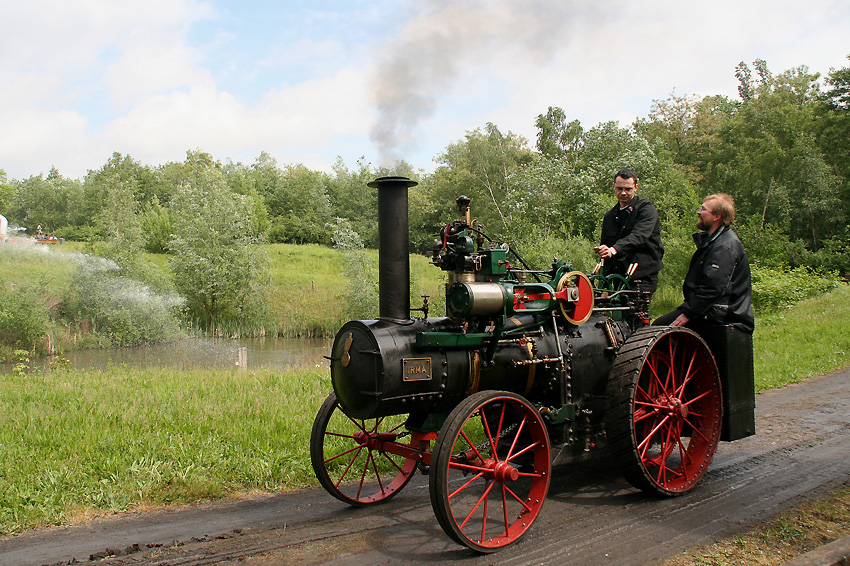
x=393, y=238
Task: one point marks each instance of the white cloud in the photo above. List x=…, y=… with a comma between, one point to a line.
x=150, y=62
x=153, y=79
x=299, y=121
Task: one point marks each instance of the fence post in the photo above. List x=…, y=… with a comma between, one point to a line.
x=242, y=358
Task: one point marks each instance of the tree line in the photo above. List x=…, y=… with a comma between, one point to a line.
x=780, y=149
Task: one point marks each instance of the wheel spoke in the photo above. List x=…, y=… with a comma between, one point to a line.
x=478, y=504
x=348, y=467
x=697, y=398
x=644, y=443
x=349, y=451
x=510, y=453
x=698, y=431
x=494, y=444
x=687, y=375
x=473, y=447
x=505, y=509
x=484, y=514
x=391, y=461
x=472, y=480
x=655, y=383
x=523, y=451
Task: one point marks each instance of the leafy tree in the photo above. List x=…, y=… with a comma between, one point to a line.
x=300, y=206
x=745, y=78
x=140, y=179
x=747, y=87
x=480, y=167
x=53, y=202
x=217, y=264
x=361, y=273
x=607, y=149
x=835, y=119
x=549, y=199
x=838, y=93
x=556, y=137
x=771, y=163
x=157, y=225
x=7, y=193
x=242, y=180
x=119, y=226
x=686, y=131
x=351, y=199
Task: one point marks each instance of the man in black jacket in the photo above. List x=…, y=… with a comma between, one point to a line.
x=717, y=288
x=631, y=233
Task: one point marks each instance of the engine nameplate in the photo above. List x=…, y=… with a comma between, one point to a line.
x=416, y=369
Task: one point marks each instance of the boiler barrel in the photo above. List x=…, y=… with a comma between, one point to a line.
x=376, y=370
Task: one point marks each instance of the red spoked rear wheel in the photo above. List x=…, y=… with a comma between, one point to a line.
x=364, y=461
x=490, y=470
x=664, y=409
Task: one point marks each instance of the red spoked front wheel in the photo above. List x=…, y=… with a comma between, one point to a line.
x=364, y=461
x=490, y=470
x=664, y=409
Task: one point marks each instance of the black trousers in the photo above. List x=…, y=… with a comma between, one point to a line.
x=667, y=319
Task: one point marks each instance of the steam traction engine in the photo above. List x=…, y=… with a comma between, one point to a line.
x=475, y=399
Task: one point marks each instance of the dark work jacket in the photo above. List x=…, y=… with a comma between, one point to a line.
x=717, y=288
x=635, y=233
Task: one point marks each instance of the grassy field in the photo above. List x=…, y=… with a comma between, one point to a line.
x=310, y=288
x=808, y=339
x=74, y=444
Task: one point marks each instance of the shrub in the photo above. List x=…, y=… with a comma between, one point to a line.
x=775, y=289
x=76, y=233
x=834, y=255
x=23, y=319
x=361, y=273
x=124, y=310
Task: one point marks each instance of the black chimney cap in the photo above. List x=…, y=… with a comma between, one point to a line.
x=392, y=179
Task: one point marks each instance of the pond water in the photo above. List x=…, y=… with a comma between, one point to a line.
x=200, y=353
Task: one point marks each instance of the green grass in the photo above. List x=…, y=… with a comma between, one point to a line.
x=807, y=339
x=309, y=295
x=36, y=266
x=74, y=443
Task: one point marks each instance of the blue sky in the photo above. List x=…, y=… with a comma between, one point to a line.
x=382, y=79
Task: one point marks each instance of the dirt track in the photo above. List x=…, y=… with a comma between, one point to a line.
x=591, y=516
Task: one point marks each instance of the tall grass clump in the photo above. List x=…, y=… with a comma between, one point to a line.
x=75, y=443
